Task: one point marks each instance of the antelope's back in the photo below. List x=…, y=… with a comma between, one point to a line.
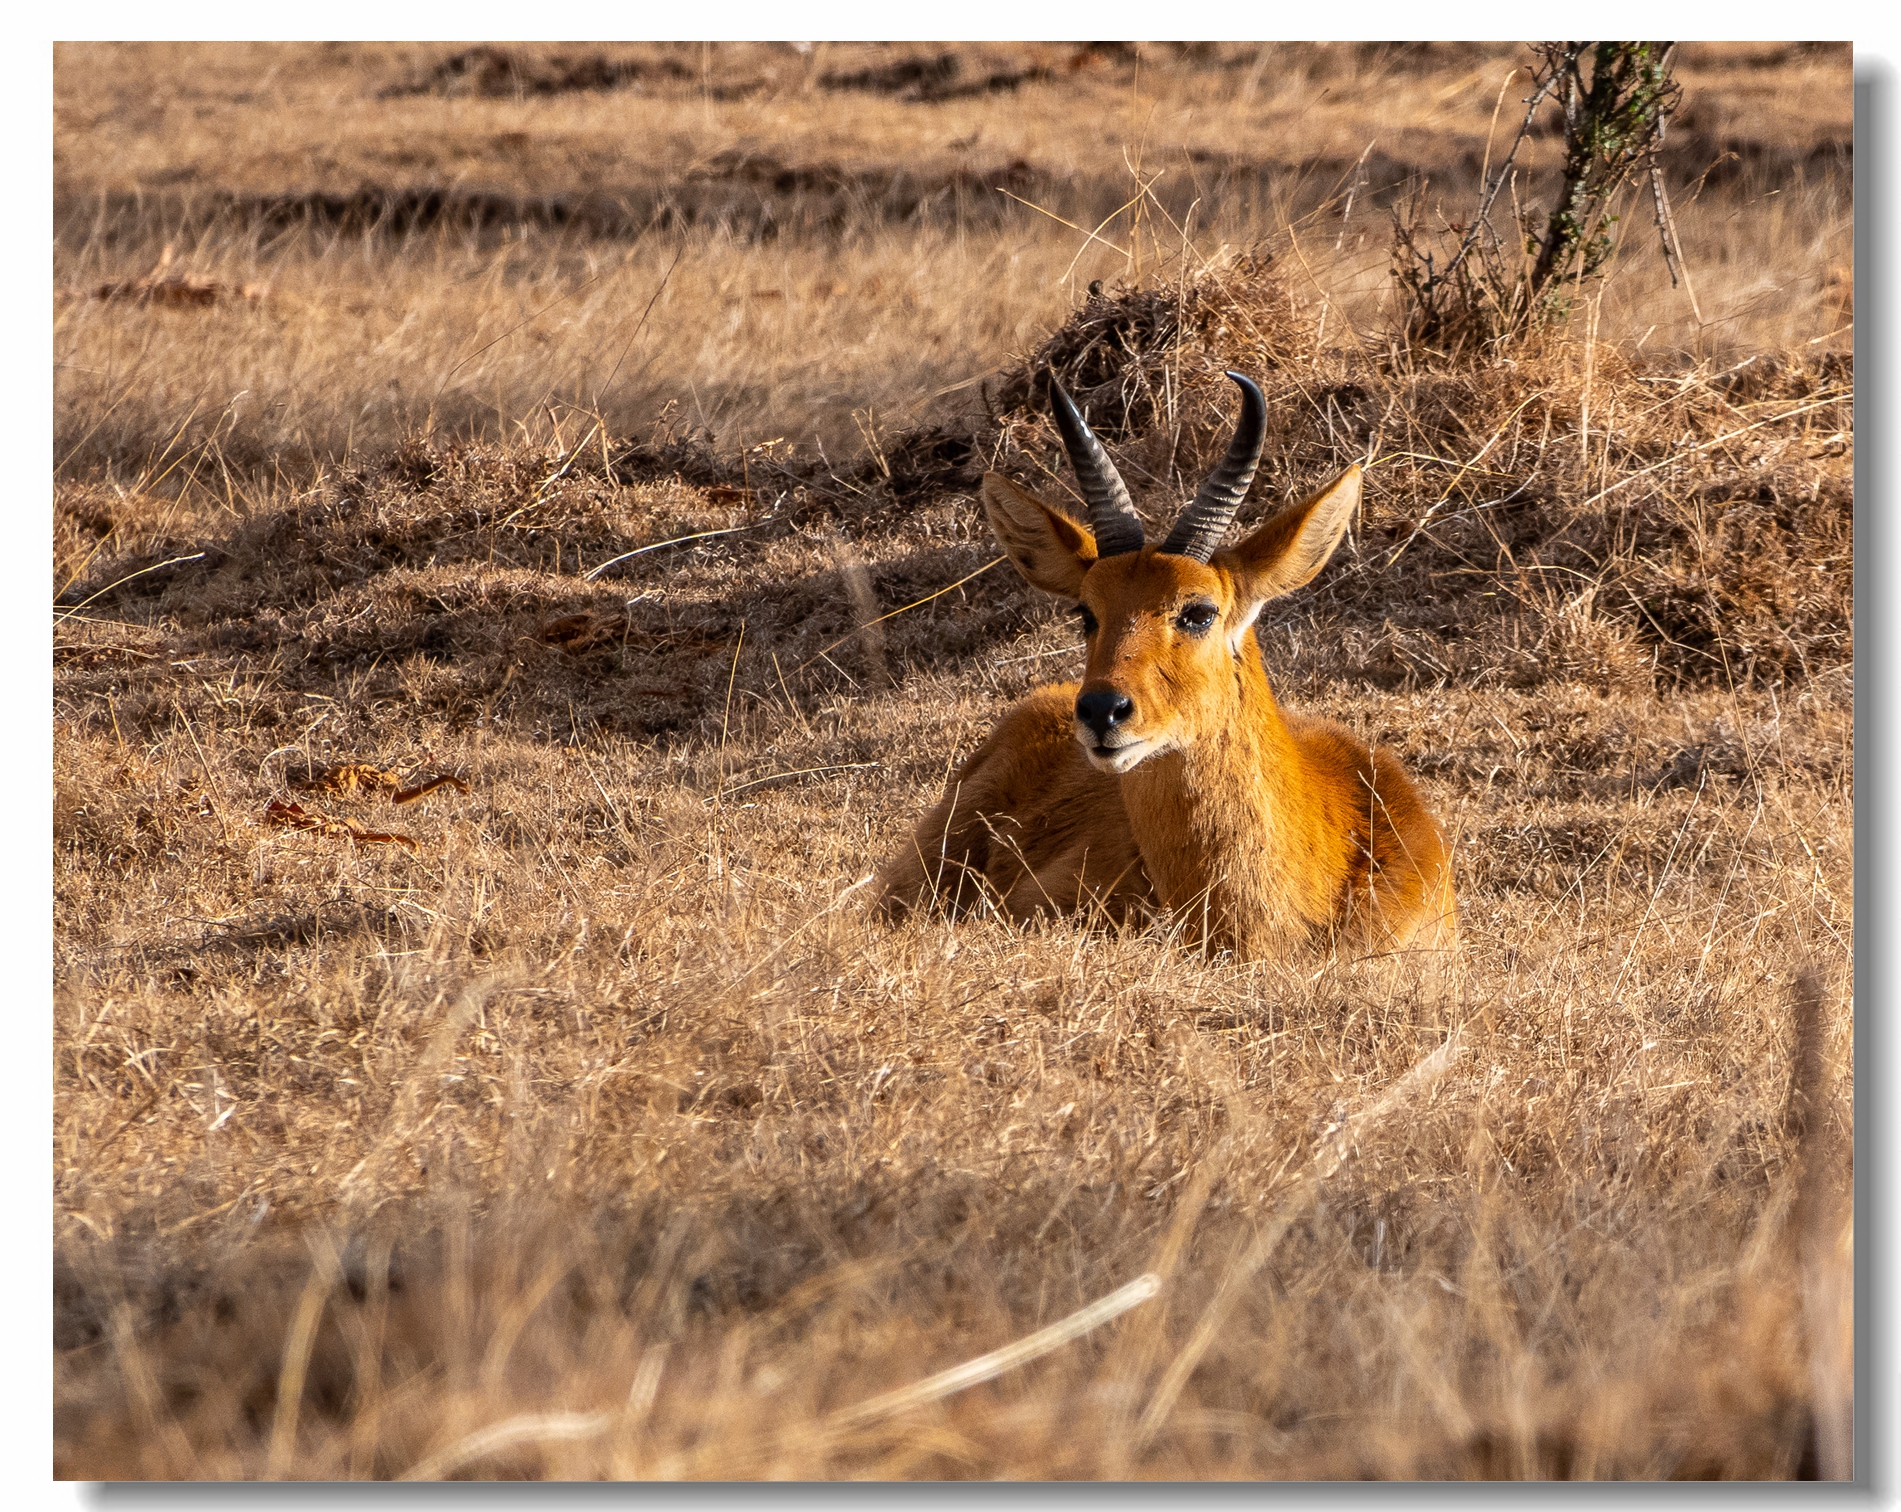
x=1400, y=889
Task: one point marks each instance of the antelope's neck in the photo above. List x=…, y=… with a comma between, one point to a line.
x=1227, y=824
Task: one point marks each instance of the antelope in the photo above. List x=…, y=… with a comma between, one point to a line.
x=1170, y=778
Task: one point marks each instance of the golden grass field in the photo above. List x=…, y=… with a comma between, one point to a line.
x=572, y=1117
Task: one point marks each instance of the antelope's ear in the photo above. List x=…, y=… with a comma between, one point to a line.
x=1051, y=550
x=1289, y=549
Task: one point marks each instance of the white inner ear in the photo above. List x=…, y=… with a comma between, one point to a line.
x=1243, y=625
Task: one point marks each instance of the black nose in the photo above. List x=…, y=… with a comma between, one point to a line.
x=1102, y=712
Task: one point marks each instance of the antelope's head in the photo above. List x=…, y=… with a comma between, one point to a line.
x=1165, y=624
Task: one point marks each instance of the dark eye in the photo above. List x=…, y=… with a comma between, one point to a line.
x=1088, y=619
x=1196, y=618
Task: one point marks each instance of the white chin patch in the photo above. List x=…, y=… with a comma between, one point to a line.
x=1119, y=760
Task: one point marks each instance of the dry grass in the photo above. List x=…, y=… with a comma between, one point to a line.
x=593, y=1129
x=839, y=252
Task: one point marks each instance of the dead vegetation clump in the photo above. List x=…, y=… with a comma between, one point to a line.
x=161, y=286
x=1140, y=358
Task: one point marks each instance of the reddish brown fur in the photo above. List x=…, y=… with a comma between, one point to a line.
x=1264, y=831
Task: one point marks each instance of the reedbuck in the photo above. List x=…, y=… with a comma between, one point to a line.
x=1170, y=777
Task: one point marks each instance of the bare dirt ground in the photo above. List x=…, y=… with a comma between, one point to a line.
x=517, y=568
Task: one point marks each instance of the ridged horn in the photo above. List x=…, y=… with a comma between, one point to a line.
x=1206, y=519
x=1112, y=517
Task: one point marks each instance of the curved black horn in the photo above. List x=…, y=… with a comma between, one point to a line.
x=1206, y=520
x=1111, y=516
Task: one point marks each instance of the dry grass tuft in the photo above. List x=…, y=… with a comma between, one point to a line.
x=473, y=1054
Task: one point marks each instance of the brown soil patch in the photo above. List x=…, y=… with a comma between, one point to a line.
x=500, y=73
x=929, y=80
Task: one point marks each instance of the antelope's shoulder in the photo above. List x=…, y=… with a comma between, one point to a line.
x=1031, y=769
x=1036, y=736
